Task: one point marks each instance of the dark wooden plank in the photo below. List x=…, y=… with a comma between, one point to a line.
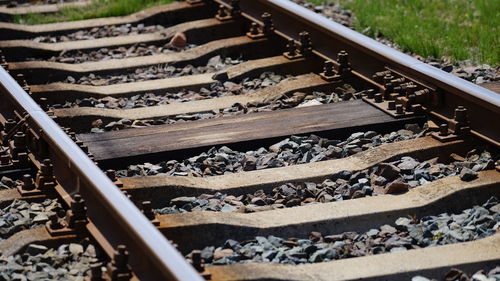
x=234, y=129
x=492, y=86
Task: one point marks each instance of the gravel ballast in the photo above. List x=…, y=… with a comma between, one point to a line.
x=393, y=177
x=289, y=151
x=21, y=215
x=214, y=64
x=457, y=274
x=67, y=262
x=104, y=54
x=406, y=233
x=297, y=99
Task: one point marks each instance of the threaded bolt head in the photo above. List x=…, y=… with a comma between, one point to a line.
x=391, y=105
x=399, y=109
x=443, y=129
x=460, y=114
x=28, y=182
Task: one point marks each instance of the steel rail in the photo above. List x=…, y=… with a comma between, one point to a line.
x=356, y=38
x=368, y=56
x=152, y=257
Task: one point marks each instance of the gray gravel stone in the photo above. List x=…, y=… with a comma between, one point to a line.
x=457, y=274
x=467, y=174
x=343, y=185
x=103, y=54
x=20, y=215
x=8, y=183
x=154, y=72
x=296, y=99
x=39, y=262
x=290, y=151
x=319, y=248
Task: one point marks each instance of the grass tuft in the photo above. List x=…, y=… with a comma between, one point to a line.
x=452, y=29
x=96, y=9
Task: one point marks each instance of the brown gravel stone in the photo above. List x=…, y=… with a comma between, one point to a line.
x=397, y=186
x=179, y=40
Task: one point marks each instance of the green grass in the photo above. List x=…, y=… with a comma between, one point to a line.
x=455, y=30
x=96, y=9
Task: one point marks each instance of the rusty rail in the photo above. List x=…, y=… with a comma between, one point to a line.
x=368, y=56
x=120, y=222
x=151, y=255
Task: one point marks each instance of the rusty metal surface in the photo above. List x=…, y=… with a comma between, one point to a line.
x=368, y=56
x=114, y=220
x=120, y=221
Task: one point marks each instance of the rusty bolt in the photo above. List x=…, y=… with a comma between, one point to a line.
x=28, y=183
x=46, y=168
x=120, y=257
x=111, y=174
x=268, y=23
x=96, y=272
x=399, y=109
x=20, y=78
x=147, y=210
x=391, y=105
x=4, y=160
x=118, y=270
x=460, y=114
x=417, y=108
x=222, y=12
x=343, y=59
x=19, y=139
x=305, y=42
x=197, y=260
x=328, y=68
x=443, y=129
x=291, y=47
x=54, y=222
x=254, y=28
x=78, y=207
x=412, y=99
x=410, y=89
x=44, y=104
x=378, y=98
x=9, y=124
x=370, y=93
x=388, y=78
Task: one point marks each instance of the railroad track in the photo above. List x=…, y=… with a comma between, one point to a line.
x=261, y=139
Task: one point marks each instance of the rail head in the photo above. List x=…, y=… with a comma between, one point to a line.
x=151, y=255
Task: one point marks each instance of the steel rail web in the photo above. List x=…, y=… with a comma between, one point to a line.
x=151, y=256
